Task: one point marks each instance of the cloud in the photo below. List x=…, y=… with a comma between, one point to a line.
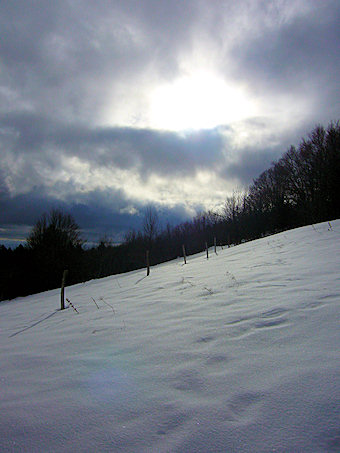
x=97, y=213
x=66, y=58
x=37, y=142
x=76, y=87
x=73, y=59
x=70, y=159
x=298, y=56
x=105, y=176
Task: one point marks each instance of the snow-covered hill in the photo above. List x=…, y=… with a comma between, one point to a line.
x=238, y=353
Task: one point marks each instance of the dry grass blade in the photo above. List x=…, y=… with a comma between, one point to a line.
x=95, y=303
x=109, y=305
x=71, y=304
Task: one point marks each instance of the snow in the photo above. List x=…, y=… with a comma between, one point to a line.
x=238, y=353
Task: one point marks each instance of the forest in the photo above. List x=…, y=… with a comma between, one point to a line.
x=301, y=188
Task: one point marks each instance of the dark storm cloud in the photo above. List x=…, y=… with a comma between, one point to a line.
x=98, y=212
x=300, y=55
x=248, y=165
x=91, y=210
x=61, y=57
x=25, y=209
x=149, y=151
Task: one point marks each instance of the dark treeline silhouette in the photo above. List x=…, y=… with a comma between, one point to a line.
x=301, y=188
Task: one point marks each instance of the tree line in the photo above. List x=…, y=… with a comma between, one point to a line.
x=301, y=188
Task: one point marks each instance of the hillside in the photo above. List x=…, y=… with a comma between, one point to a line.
x=237, y=353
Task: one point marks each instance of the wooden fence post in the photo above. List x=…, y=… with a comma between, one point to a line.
x=215, y=245
x=184, y=254
x=147, y=263
x=206, y=248
x=62, y=293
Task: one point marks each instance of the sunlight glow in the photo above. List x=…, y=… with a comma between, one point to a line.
x=198, y=101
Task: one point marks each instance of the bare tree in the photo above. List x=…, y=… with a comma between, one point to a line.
x=233, y=205
x=150, y=224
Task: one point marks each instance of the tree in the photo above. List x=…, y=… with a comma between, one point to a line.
x=150, y=224
x=55, y=244
x=55, y=230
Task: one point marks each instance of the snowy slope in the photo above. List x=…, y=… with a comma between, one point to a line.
x=235, y=354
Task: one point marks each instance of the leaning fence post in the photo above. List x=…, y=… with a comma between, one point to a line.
x=147, y=262
x=206, y=248
x=62, y=293
x=184, y=254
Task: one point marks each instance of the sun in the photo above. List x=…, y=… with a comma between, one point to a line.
x=198, y=101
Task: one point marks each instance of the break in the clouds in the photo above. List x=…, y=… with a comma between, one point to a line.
x=108, y=107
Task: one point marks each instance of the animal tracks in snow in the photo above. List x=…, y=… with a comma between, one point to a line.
x=249, y=324
x=231, y=277
x=270, y=323
x=243, y=407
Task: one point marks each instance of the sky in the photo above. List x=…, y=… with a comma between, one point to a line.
x=108, y=108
